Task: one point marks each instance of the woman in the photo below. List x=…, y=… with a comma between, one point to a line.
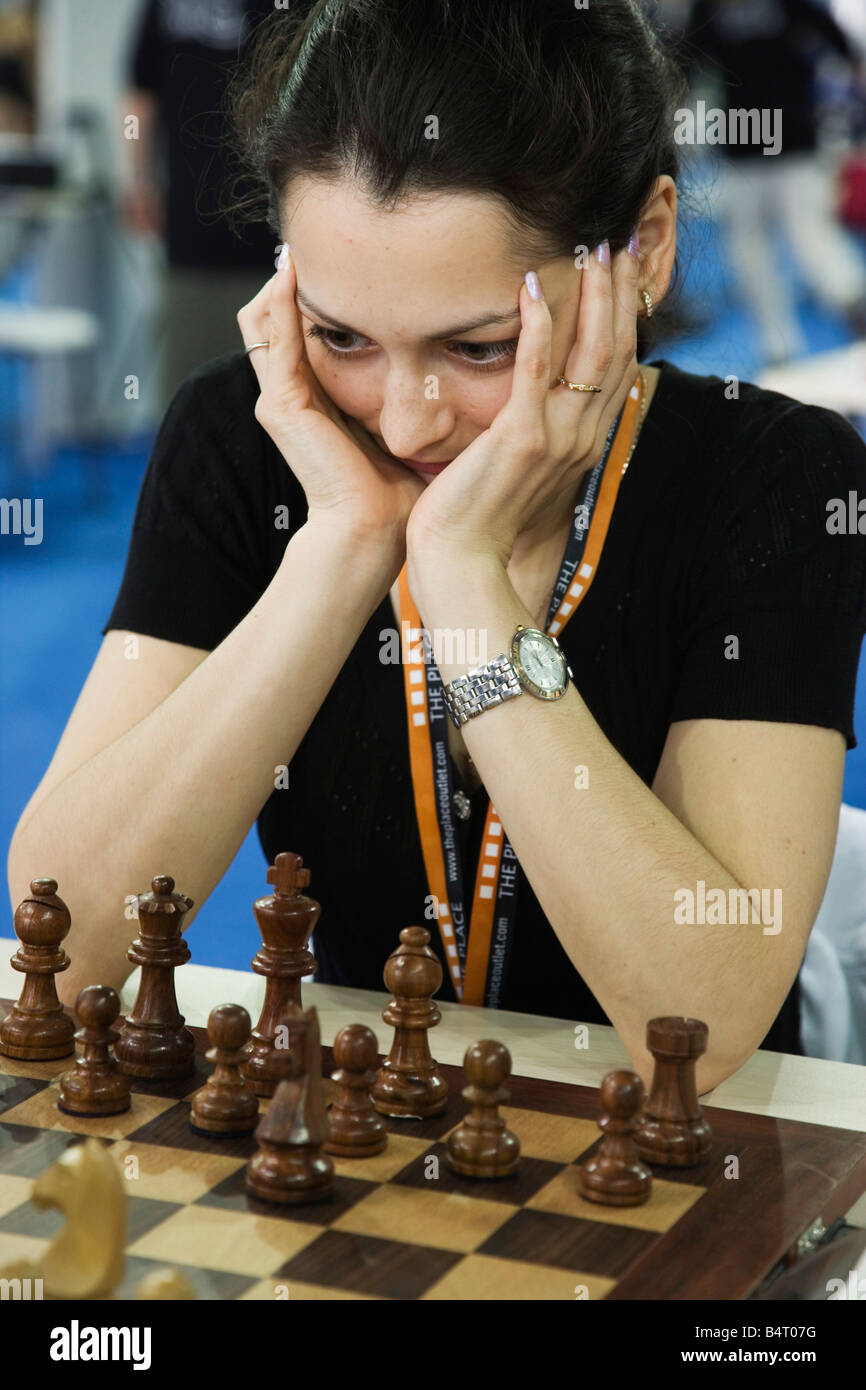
x=440, y=389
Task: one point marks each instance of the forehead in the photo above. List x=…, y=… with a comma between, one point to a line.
x=444, y=256
x=420, y=228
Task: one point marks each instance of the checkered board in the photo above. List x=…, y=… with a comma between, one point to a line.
x=391, y=1230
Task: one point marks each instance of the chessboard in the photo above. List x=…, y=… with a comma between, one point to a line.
x=401, y=1225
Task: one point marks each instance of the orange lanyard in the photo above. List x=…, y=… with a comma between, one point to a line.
x=497, y=864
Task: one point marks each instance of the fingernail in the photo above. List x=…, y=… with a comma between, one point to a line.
x=533, y=284
x=603, y=252
x=633, y=244
x=284, y=257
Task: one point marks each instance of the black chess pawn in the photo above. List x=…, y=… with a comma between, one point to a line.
x=615, y=1175
x=482, y=1147
x=95, y=1085
x=226, y=1104
x=357, y=1131
x=409, y=1082
x=37, y=1029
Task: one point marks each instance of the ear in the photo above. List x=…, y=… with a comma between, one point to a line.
x=657, y=233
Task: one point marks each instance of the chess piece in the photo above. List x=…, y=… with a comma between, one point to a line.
x=357, y=1131
x=85, y=1259
x=614, y=1175
x=37, y=1029
x=165, y=1286
x=95, y=1085
x=410, y=1083
x=226, y=1104
x=290, y=1166
x=153, y=1042
x=672, y=1129
x=481, y=1147
x=286, y=922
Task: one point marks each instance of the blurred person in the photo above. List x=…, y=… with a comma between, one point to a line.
x=765, y=54
x=183, y=56
x=17, y=66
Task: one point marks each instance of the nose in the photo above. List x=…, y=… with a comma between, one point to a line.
x=412, y=418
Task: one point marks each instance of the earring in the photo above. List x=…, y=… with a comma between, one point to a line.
x=648, y=304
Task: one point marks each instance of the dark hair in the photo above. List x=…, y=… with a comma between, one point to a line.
x=566, y=114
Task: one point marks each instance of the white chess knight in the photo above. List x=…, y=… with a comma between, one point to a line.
x=86, y=1258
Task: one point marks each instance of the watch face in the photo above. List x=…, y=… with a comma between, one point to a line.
x=543, y=664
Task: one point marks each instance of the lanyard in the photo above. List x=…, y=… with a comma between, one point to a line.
x=477, y=950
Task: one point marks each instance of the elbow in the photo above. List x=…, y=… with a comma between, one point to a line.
x=718, y=1063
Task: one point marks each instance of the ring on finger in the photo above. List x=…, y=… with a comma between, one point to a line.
x=266, y=343
x=575, y=385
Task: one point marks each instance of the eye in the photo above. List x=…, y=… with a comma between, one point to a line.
x=327, y=334
x=499, y=353
x=492, y=355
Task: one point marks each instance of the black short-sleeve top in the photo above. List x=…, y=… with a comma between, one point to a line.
x=720, y=530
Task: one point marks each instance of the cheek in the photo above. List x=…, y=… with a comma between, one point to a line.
x=479, y=405
x=351, y=389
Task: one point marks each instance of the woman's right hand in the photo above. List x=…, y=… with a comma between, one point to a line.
x=347, y=479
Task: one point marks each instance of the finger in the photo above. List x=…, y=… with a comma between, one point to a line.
x=286, y=343
x=592, y=352
x=254, y=324
x=626, y=277
x=530, y=383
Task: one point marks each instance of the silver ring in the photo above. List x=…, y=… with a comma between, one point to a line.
x=266, y=343
x=575, y=385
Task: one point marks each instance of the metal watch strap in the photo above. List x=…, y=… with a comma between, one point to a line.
x=481, y=688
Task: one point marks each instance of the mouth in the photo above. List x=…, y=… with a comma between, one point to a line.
x=431, y=469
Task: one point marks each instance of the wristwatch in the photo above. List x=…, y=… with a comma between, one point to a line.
x=537, y=664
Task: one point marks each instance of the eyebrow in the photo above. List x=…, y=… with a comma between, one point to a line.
x=480, y=321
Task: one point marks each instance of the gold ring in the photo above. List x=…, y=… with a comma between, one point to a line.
x=575, y=385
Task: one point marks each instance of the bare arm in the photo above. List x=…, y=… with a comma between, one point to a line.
x=735, y=805
x=178, y=790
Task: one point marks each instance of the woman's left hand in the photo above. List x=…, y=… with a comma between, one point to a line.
x=542, y=440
